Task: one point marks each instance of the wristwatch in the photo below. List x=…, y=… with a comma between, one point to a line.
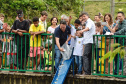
x=17, y=30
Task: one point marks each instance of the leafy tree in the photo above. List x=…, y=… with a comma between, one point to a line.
x=33, y=8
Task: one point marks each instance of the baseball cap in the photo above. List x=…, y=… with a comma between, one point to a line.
x=20, y=15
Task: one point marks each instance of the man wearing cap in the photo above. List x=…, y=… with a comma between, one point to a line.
x=21, y=26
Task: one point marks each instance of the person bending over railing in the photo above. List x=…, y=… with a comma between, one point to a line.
x=35, y=41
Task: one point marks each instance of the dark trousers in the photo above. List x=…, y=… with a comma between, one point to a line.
x=87, y=58
x=97, y=55
x=22, y=53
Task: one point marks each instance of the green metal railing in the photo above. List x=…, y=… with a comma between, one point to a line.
x=101, y=46
x=16, y=53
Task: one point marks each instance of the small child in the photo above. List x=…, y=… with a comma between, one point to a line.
x=48, y=56
x=35, y=38
x=77, y=24
x=78, y=50
x=97, y=42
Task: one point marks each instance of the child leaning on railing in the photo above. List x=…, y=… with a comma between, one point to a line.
x=48, y=56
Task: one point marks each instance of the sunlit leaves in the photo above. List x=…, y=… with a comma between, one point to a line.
x=122, y=53
x=111, y=54
x=106, y=56
x=115, y=45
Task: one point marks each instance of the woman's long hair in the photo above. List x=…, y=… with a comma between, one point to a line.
x=111, y=20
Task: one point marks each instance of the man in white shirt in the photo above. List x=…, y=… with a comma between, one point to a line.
x=88, y=33
x=42, y=19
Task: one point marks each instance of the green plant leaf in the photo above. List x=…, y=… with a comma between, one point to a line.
x=111, y=59
x=122, y=53
x=115, y=45
x=106, y=56
x=113, y=54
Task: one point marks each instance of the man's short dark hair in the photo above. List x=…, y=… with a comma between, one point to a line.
x=80, y=15
x=98, y=16
x=44, y=13
x=35, y=19
x=19, y=11
x=85, y=13
x=63, y=22
x=77, y=21
x=98, y=24
x=121, y=13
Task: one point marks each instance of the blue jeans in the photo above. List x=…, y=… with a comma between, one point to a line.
x=120, y=63
x=57, y=57
x=78, y=60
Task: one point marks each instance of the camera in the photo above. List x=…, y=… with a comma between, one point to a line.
x=1, y=23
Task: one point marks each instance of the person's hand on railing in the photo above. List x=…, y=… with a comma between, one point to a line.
x=33, y=37
x=20, y=33
x=5, y=25
x=10, y=38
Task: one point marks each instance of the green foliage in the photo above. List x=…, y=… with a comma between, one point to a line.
x=33, y=8
x=122, y=53
x=115, y=45
x=106, y=56
x=111, y=54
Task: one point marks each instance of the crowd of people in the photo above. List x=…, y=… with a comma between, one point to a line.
x=78, y=36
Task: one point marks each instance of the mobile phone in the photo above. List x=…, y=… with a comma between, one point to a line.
x=1, y=23
x=103, y=23
x=117, y=22
x=99, y=14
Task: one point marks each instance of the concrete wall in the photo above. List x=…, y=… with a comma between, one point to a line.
x=31, y=78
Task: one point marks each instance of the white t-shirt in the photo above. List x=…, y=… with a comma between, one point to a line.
x=73, y=31
x=88, y=35
x=51, y=30
x=97, y=39
x=78, y=49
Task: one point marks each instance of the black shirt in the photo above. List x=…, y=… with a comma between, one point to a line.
x=62, y=35
x=24, y=25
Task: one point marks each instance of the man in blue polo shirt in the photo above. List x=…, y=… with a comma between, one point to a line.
x=61, y=33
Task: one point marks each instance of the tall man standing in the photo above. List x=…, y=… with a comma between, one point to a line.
x=42, y=19
x=61, y=33
x=19, y=27
x=88, y=33
x=121, y=31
